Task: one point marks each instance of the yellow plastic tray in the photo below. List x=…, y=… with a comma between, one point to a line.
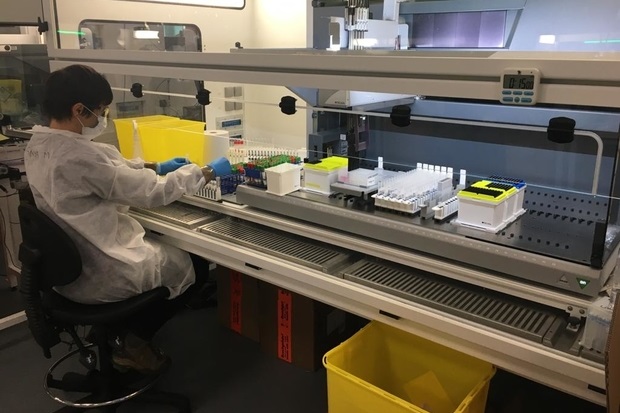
x=11, y=96
x=329, y=164
x=164, y=140
x=502, y=194
x=383, y=369
x=124, y=131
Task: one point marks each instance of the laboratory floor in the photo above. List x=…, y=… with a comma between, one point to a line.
x=222, y=372
x=10, y=302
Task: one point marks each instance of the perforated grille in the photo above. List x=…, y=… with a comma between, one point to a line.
x=479, y=306
x=318, y=256
x=181, y=214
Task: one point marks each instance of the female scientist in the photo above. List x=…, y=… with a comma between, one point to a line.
x=87, y=188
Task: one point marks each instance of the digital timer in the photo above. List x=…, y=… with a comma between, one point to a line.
x=519, y=86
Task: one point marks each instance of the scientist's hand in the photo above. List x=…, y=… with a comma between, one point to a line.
x=162, y=168
x=219, y=167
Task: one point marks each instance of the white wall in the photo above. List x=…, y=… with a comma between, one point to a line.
x=278, y=24
x=282, y=23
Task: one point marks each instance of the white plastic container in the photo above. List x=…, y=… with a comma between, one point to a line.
x=516, y=202
x=283, y=179
x=217, y=144
x=489, y=205
x=444, y=209
x=482, y=214
x=597, y=325
x=319, y=181
x=360, y=177
x=318, y=177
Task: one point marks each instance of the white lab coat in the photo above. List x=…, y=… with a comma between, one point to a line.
x=87, y=188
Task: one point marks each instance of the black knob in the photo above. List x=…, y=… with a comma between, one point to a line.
x=7, y=48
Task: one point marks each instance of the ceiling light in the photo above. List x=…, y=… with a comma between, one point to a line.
x=546, y=39
x=144, y=33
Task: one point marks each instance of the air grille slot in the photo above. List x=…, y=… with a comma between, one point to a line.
x=492, y=309
x=187, y=216
x=318, y=256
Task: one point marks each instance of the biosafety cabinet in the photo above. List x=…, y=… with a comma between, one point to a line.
x=456, y=161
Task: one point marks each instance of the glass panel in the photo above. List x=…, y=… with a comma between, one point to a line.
x=515, y=24
x=95, y=34
x=10, y=30
x=23, y=70
x=402, y=160
x=248, y=114
x=262, y=24
x=458, y=30
x=564, y=198
x=568, y=208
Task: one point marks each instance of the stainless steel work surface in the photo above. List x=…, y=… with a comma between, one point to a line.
x=555, y=225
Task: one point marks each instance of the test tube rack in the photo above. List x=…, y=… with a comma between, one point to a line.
x=407, y=192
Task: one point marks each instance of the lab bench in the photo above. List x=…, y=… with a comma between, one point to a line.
x=516, y=298
x=377, y=280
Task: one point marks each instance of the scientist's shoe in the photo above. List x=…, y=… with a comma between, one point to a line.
x=137, y=354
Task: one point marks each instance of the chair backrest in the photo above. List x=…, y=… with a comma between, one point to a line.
x=58, y=262
x=49, y=258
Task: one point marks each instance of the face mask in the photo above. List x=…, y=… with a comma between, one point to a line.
x=92, y=133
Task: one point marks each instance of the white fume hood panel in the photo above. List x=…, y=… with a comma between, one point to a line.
x=26, y=12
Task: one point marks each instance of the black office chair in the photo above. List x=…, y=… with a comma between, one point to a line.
x=49, y=258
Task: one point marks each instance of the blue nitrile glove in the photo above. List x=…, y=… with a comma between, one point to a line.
x=162, y=168
x=221, y=166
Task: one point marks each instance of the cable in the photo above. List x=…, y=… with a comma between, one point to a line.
x=4, y=234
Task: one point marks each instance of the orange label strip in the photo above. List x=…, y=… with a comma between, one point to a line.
x=236, y=296
x=285, y=320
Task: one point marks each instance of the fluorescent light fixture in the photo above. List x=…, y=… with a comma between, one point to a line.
x=546, y=39
x=144, y=33
x=231, y=4
x=601, y=41
x=70, y=32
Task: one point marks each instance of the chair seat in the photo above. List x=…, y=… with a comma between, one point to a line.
x=70, y=312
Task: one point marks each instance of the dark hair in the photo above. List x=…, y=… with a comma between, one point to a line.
x=75, y=84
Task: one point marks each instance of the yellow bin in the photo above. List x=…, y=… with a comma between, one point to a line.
x=124, y=131
x=383, y=369
x=164, y=140
x=11, y=96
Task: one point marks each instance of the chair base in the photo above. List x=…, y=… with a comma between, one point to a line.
x=107, y=393
x=176, y=401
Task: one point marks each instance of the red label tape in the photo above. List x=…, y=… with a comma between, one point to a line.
x=285, y=319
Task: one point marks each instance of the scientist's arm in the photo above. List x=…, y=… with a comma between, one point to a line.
x=140, y=187
x=151, y=165
x=134, y=187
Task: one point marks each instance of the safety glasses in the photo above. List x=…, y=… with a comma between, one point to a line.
x=105, y=113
